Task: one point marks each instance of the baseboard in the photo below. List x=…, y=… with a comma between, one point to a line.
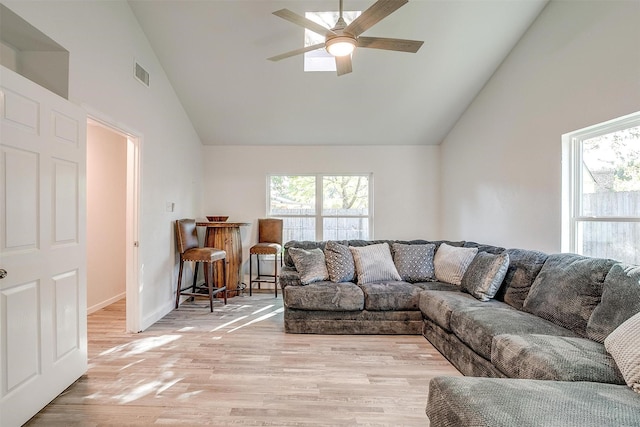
x=103, y=304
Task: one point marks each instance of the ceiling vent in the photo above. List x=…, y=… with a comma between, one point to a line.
x=141, y=75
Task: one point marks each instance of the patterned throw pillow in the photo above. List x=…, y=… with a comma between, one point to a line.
x=451, y=262
x=485, y=275
x=374, y=263
x=310, y=264
x=624, y=346
x=414, y=262
x=339, y=262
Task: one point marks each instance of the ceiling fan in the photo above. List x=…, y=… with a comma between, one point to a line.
x=342, y=39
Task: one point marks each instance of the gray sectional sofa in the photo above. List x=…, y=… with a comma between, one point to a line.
x=539, y=339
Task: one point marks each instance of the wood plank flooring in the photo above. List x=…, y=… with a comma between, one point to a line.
x=237, y=367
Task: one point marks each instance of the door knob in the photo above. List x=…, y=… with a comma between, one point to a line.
x=3, y=273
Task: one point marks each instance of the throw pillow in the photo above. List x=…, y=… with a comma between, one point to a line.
x=451, y=262
x=485, y=275
x=524, y=266
x=624, y=346
x=414, y=262
x=374, y=263
x=567, y=290
x=310, y=264
x=620, y=300
x=339, y=262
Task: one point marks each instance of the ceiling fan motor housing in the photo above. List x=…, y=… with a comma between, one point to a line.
x=340, y=44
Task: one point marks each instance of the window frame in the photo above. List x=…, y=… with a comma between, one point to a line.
x=572, y=181
x=319, y=201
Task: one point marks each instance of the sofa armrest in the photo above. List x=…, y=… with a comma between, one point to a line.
x=289, y=276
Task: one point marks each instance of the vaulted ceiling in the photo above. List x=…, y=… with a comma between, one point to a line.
x=215, y=55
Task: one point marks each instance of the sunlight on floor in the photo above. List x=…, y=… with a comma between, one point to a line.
x=142, y=345
x=259, y=319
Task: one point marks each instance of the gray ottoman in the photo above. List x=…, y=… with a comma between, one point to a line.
x=495, y=402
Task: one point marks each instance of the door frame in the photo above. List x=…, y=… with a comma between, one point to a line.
x=132, y=232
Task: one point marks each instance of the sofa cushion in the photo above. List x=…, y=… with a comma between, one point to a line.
x=476, y=326
x=374, y=263
x=451, y=262
x=484, y=275
x=624, y=346
x=310, y=264
x=414, y=262
x=548, y=357
x=524, y=266
x=620, y=300
x=438, y=305
x=491, y=402
x=339, y=261
x=568, y=289
x=437, y=286
x=390, y=296
x=327, y=296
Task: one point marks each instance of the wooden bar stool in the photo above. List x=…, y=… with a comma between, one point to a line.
x=187, y=241
x=269, y=243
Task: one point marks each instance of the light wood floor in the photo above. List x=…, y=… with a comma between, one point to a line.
x=236, y=366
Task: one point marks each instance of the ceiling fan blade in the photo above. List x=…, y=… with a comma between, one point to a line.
x=343, y=64
x=401, y=45
x=296, y=52
x=378, y=11
x=303, y=22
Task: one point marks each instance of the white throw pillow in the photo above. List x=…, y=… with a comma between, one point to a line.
x=374, y=263
x=451, y=262
x=624, y=346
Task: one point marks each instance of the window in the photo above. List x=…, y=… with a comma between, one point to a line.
x=601, y=190
x=322, y=207
x=320, y=59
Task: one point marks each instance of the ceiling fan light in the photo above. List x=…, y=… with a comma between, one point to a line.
x=341, y=45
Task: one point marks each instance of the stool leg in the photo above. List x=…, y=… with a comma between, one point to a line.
x=209, y=283
x=179, y=282
x=224, y=278
x=275, y=274
x=195, y=278
x=258, y=265
x=250, y=272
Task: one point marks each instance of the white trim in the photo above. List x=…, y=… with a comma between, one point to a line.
x=103, y=304
x=572, y=179
x=133, y=307
x=133, y=197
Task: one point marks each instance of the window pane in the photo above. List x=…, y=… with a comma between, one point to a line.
x=303, y=200
x=292, y=195
x=345, y=195
x=301, y=228
x=616, y=240
x=611, y=174
x=345, y=228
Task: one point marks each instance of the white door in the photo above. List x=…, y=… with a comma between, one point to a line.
x=43, y=315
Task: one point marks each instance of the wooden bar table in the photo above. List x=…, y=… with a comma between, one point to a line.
x=226, y=236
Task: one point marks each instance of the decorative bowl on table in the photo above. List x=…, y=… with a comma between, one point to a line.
x=218, y=218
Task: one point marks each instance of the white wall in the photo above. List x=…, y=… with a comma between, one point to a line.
x=103, y=38
x=106, y=214
x=578, y=65
x=406, y=183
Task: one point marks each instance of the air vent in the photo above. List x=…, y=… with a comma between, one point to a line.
x=142, y=75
